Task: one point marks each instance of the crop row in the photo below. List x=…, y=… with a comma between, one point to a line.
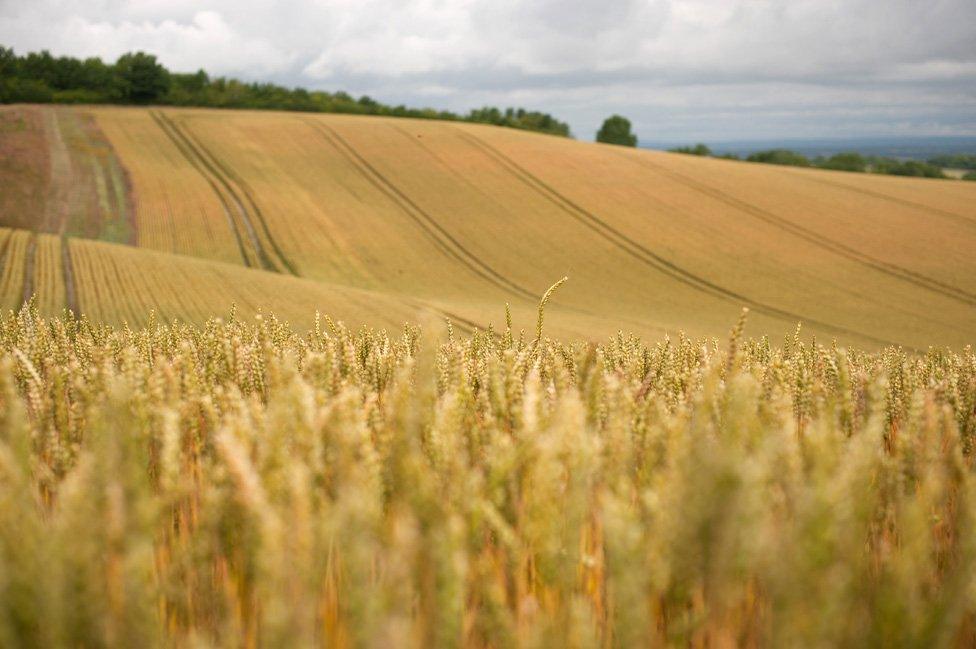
x=36, y=266
x=174, y=208
x=121, y=284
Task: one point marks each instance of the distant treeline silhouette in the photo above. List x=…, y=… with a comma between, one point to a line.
x=847, y=161
x=138, y=78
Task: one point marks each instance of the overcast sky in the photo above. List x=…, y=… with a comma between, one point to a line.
x=707, y=70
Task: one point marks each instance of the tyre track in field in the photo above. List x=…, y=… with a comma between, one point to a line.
x=124, y=190
x=645, y=255
x=188, y=155
x=462, y=323
x=466, y=324
x=467, y=181
x=959, y=218
x=4, y=247
x=264, y=261
x=68, y=273
x=443, y=240
x=230, y=177
x=811, y=236
x=60, y=175
x=29, y=255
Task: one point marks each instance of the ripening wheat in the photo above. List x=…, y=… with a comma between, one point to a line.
x=242, y=484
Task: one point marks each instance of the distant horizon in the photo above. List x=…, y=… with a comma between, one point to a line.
x=918, y=147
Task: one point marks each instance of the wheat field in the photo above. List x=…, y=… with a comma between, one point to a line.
x=747, y=419
x=461, y=218
x=245, y=484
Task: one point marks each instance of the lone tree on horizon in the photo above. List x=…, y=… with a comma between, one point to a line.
x=616, y=130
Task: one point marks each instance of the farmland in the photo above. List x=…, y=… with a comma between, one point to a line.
x=240, y=484
x=110, y=283
x=296, y=380
x=385, y=325
x=468, y=218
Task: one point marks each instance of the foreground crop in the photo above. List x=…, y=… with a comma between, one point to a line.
x=241, y=484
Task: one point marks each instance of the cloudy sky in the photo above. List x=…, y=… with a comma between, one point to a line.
x=679, y=69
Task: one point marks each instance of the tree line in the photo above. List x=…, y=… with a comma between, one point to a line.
x=847, y=161
x=138, y=78
x=957, y=161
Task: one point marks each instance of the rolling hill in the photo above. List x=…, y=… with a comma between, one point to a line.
x=378, y=220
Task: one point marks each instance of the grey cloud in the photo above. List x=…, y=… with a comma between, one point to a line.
x=678, y=68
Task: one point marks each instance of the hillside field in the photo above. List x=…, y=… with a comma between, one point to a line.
x=260, y=432
x=117, y=211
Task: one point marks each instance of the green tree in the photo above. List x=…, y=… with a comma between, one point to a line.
x=15, y=85
x=40, y=67
x=142, y=80
x=849, y=161
x=699, y=149
x=916, y=168
x=894, y=167
x=191, y=83
x=780, y=157
x=616, y=130
x=8, y=62
x=98, y=77
x=954, y=161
